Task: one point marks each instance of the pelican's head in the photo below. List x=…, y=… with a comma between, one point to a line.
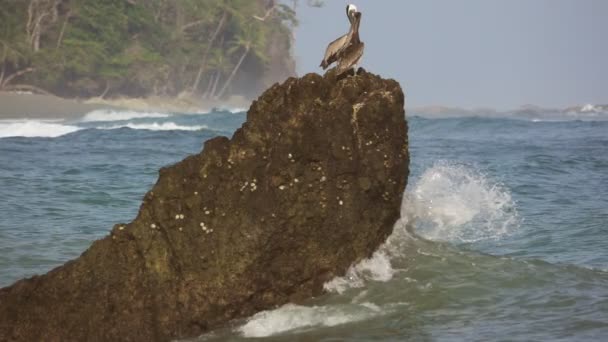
x=350, y=11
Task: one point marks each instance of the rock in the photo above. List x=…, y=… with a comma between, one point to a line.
x=311, y=183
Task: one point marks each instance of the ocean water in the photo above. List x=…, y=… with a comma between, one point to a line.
x=503, y=233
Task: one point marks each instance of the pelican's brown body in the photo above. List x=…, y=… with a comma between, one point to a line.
x=347, y=49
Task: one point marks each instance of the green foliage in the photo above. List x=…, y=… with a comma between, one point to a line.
x=13, y=47
x=84, y=48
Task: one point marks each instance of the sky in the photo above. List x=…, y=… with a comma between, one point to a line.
x=473, y=53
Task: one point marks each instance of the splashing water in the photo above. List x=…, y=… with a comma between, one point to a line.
x=377, y=268
x=296, y=317
x=449, y=203
x=454, y=203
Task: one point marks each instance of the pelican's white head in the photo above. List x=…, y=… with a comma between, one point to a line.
x=350, y=11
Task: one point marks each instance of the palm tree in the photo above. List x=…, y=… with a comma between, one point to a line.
x=219, y=66
x=13, y=56
x=251, y=39
x=203, y=65
x=15, y=51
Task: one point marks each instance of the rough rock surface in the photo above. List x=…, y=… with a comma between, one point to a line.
x=310, y=184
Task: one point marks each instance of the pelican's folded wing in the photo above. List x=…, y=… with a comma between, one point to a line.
x=333, y=50
x=350, y=57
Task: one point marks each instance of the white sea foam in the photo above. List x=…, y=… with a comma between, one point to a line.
x=113, y=115
x=34, y=128
x=155, y=126
x=296, y=317
x=376, y=268
x=589, y=108
x=455, y=203
x=235, y=110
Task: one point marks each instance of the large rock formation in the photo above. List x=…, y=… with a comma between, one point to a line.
x=310, y=184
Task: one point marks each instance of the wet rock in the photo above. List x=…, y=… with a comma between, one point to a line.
x=310, y=184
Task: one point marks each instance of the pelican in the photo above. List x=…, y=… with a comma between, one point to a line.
x=348, y=49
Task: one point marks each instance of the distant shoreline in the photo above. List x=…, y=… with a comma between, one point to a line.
x=46, y=107
x=20, y=106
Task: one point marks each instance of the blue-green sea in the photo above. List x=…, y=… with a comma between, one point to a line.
x=503, y=234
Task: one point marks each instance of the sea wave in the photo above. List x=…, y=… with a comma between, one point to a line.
x=156, y=126
x=54, y=129
x=296, y=317
x=35, y=128
x=455, y=203
x=376, y=268
x=534, y=116
x=448, y=203
x=233, y=110
x=114, y=115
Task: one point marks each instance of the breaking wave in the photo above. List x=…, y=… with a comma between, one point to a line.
x=296, y=317
x=449, y=203
x=233, y=110
x=376, y=268
x=113, y=115
x=455, y=203
x=155, y=126
x=34, y=128
x=45, y=129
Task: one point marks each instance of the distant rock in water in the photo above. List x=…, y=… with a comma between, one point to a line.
x=310, y=184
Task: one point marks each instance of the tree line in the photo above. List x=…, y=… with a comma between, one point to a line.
x=139, y=48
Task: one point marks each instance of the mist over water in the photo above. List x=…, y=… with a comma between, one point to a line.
x=503, y=231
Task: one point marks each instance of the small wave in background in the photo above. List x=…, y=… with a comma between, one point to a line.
x=116, y=115
x=588, y=112
x=156, y=126
x=117, y=119
x=34, y=128
x=158, y=121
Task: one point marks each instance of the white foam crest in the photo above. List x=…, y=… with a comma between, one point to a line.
x=376, y=268
x=34, y=128
x=114, y=115
x=455, y=203
x=236, y=110
x=589, y=108
x=291, y=317
x=155, y=126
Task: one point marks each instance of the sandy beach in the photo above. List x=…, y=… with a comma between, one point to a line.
x=46, y=107
x=34, y=106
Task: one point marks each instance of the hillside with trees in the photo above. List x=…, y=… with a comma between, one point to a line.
x=139, y=48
